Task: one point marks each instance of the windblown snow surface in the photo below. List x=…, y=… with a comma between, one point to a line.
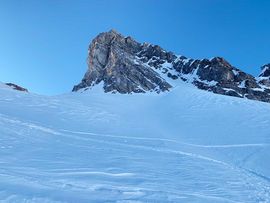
x=186, y=145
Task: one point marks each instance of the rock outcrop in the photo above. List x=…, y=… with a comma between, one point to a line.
x=112, y=60
x=16, y=87
x=264, y=77
x=265, y=71
x=123, y=65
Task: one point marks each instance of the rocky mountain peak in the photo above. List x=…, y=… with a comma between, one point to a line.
x=220, y=62
x=111, y=62
x=264, y=77
x=265, y=71
x=122, y=65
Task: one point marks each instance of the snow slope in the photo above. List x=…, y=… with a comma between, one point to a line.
x=186, y=146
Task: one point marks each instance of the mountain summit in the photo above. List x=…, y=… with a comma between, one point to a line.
x=113, y=60
x=122, y=65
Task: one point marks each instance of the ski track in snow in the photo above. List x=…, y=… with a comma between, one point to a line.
x=168, y=140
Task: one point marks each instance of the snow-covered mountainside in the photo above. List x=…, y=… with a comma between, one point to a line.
x=126, y=66
x=187, y=145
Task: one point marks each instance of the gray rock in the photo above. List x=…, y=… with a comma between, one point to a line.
x=112, y=60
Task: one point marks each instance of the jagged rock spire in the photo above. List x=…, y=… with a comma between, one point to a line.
x=111, y=61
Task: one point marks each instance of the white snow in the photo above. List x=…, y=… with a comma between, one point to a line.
x=262, y=87
x=235, y=72
x=4, y=86
x=242, y=84
x=258, y=89
x=194, y=77
x=187, y=145
x=228, y=89
x=185, y=61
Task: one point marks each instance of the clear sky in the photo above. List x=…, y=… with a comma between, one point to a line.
x=43, y=44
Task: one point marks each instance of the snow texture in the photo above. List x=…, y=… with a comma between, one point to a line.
x=186, y=145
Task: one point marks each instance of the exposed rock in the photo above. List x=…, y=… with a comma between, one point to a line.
x=16, y=87
x=265, y=71
x=112, y=61
x=264, y=77
x=125, y=66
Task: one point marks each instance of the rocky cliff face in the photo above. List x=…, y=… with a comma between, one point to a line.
x=123, y=65
x=112, y=60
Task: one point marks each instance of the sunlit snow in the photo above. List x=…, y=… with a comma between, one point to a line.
x=186, y=145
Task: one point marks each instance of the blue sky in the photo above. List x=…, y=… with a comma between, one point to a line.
x=43, y=44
